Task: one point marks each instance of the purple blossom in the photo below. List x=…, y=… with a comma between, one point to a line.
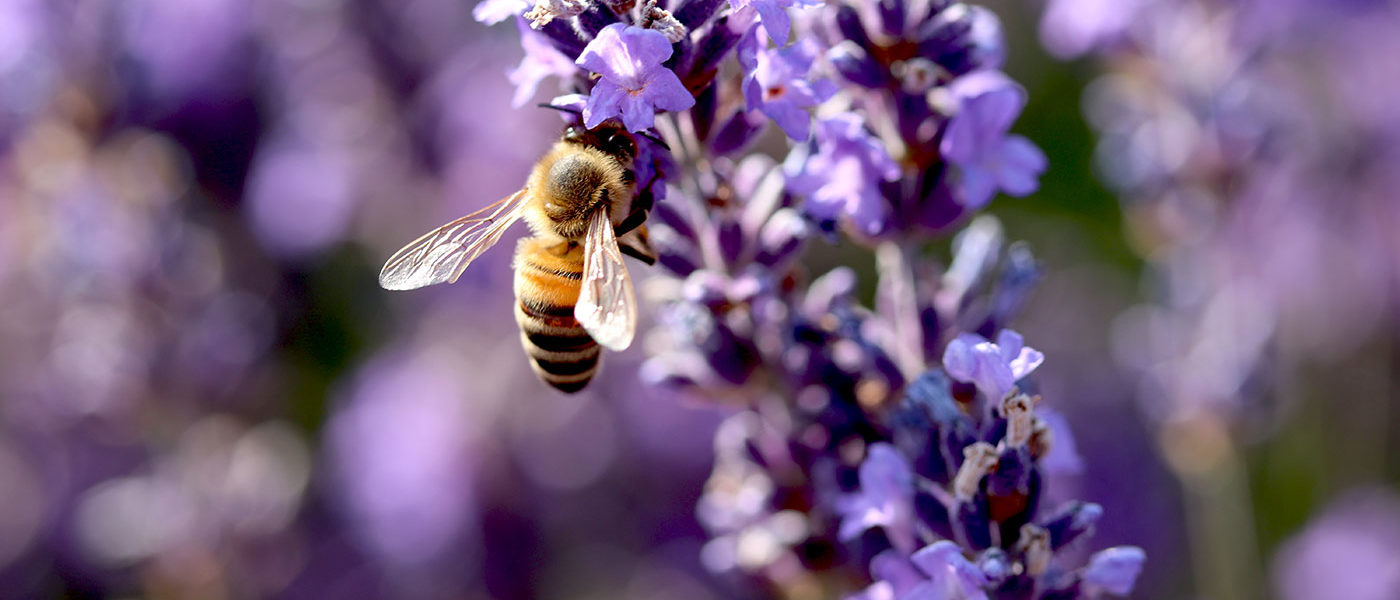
x=778, y=84
x=935, y=572
x=1115, y=570
x=541, y=60
x=492, y=12
x=633, y=83
x=994, y=368
x=977, y=141
x=842, y=179
x=886, y=498
x=772, y=14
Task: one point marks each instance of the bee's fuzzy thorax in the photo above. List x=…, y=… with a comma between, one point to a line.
x=566, y=186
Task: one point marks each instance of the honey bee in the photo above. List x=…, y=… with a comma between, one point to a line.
x=572, y=289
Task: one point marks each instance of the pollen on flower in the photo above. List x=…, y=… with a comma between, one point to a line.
x=1019, y=419
x=660, y=19
x=1035, y=544
x=546, y=11
x=978, y=459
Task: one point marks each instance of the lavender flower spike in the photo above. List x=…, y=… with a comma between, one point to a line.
x=977, y=140
x=993, y=368
x=633, y=83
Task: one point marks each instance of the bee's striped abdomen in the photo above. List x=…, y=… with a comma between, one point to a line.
x=547, y=282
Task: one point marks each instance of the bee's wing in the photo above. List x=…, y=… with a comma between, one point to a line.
x=443, y=253
x=607, y=305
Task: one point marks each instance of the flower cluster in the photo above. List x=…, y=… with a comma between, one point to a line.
x=857, y=448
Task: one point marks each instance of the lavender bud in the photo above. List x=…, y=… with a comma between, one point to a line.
x=1019, y=275
x=546, y=11
x=706, y=288
x=1011, y=477
x=694, y=13
x=781, y=238
x=731, y=239
x=676, y=253
x=971, y=526
x=740, y=130
x=594, y=19
x=667, y=215
x=1070, y=522
x=563, y=37
x=702, y=61
x=848, y=22
x=944, y=38
x=856, y=65
x=703, y=114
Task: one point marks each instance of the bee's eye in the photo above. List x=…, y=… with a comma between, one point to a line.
x=622, y=144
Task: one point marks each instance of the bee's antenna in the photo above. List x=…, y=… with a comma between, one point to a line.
x=560, y=108
x=648, y=135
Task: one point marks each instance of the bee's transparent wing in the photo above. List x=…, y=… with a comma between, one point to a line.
x=443, y=253
x=607, y=305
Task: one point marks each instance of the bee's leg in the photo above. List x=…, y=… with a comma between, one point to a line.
x=637, y=245
x=633, y=221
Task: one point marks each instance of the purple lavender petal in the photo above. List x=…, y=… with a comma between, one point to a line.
x=1022, y=163
x=885, y=499
x=603, y=103
x=944, y=558
x=894, y=569
x=1115, y=569
x=775, y=20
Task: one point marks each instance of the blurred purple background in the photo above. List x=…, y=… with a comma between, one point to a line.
x=205, y=394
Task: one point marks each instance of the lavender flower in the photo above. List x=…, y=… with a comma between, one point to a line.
x=778, y=85
x=938, y=570
x=842, y=179
x=994, y=368
x=978, y=143
x=633, y=83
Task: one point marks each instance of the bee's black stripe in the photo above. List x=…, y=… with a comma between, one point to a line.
x=574, y=275
x=572, y=342
x=543, y=309
x=560, y=367
x=569, y=387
